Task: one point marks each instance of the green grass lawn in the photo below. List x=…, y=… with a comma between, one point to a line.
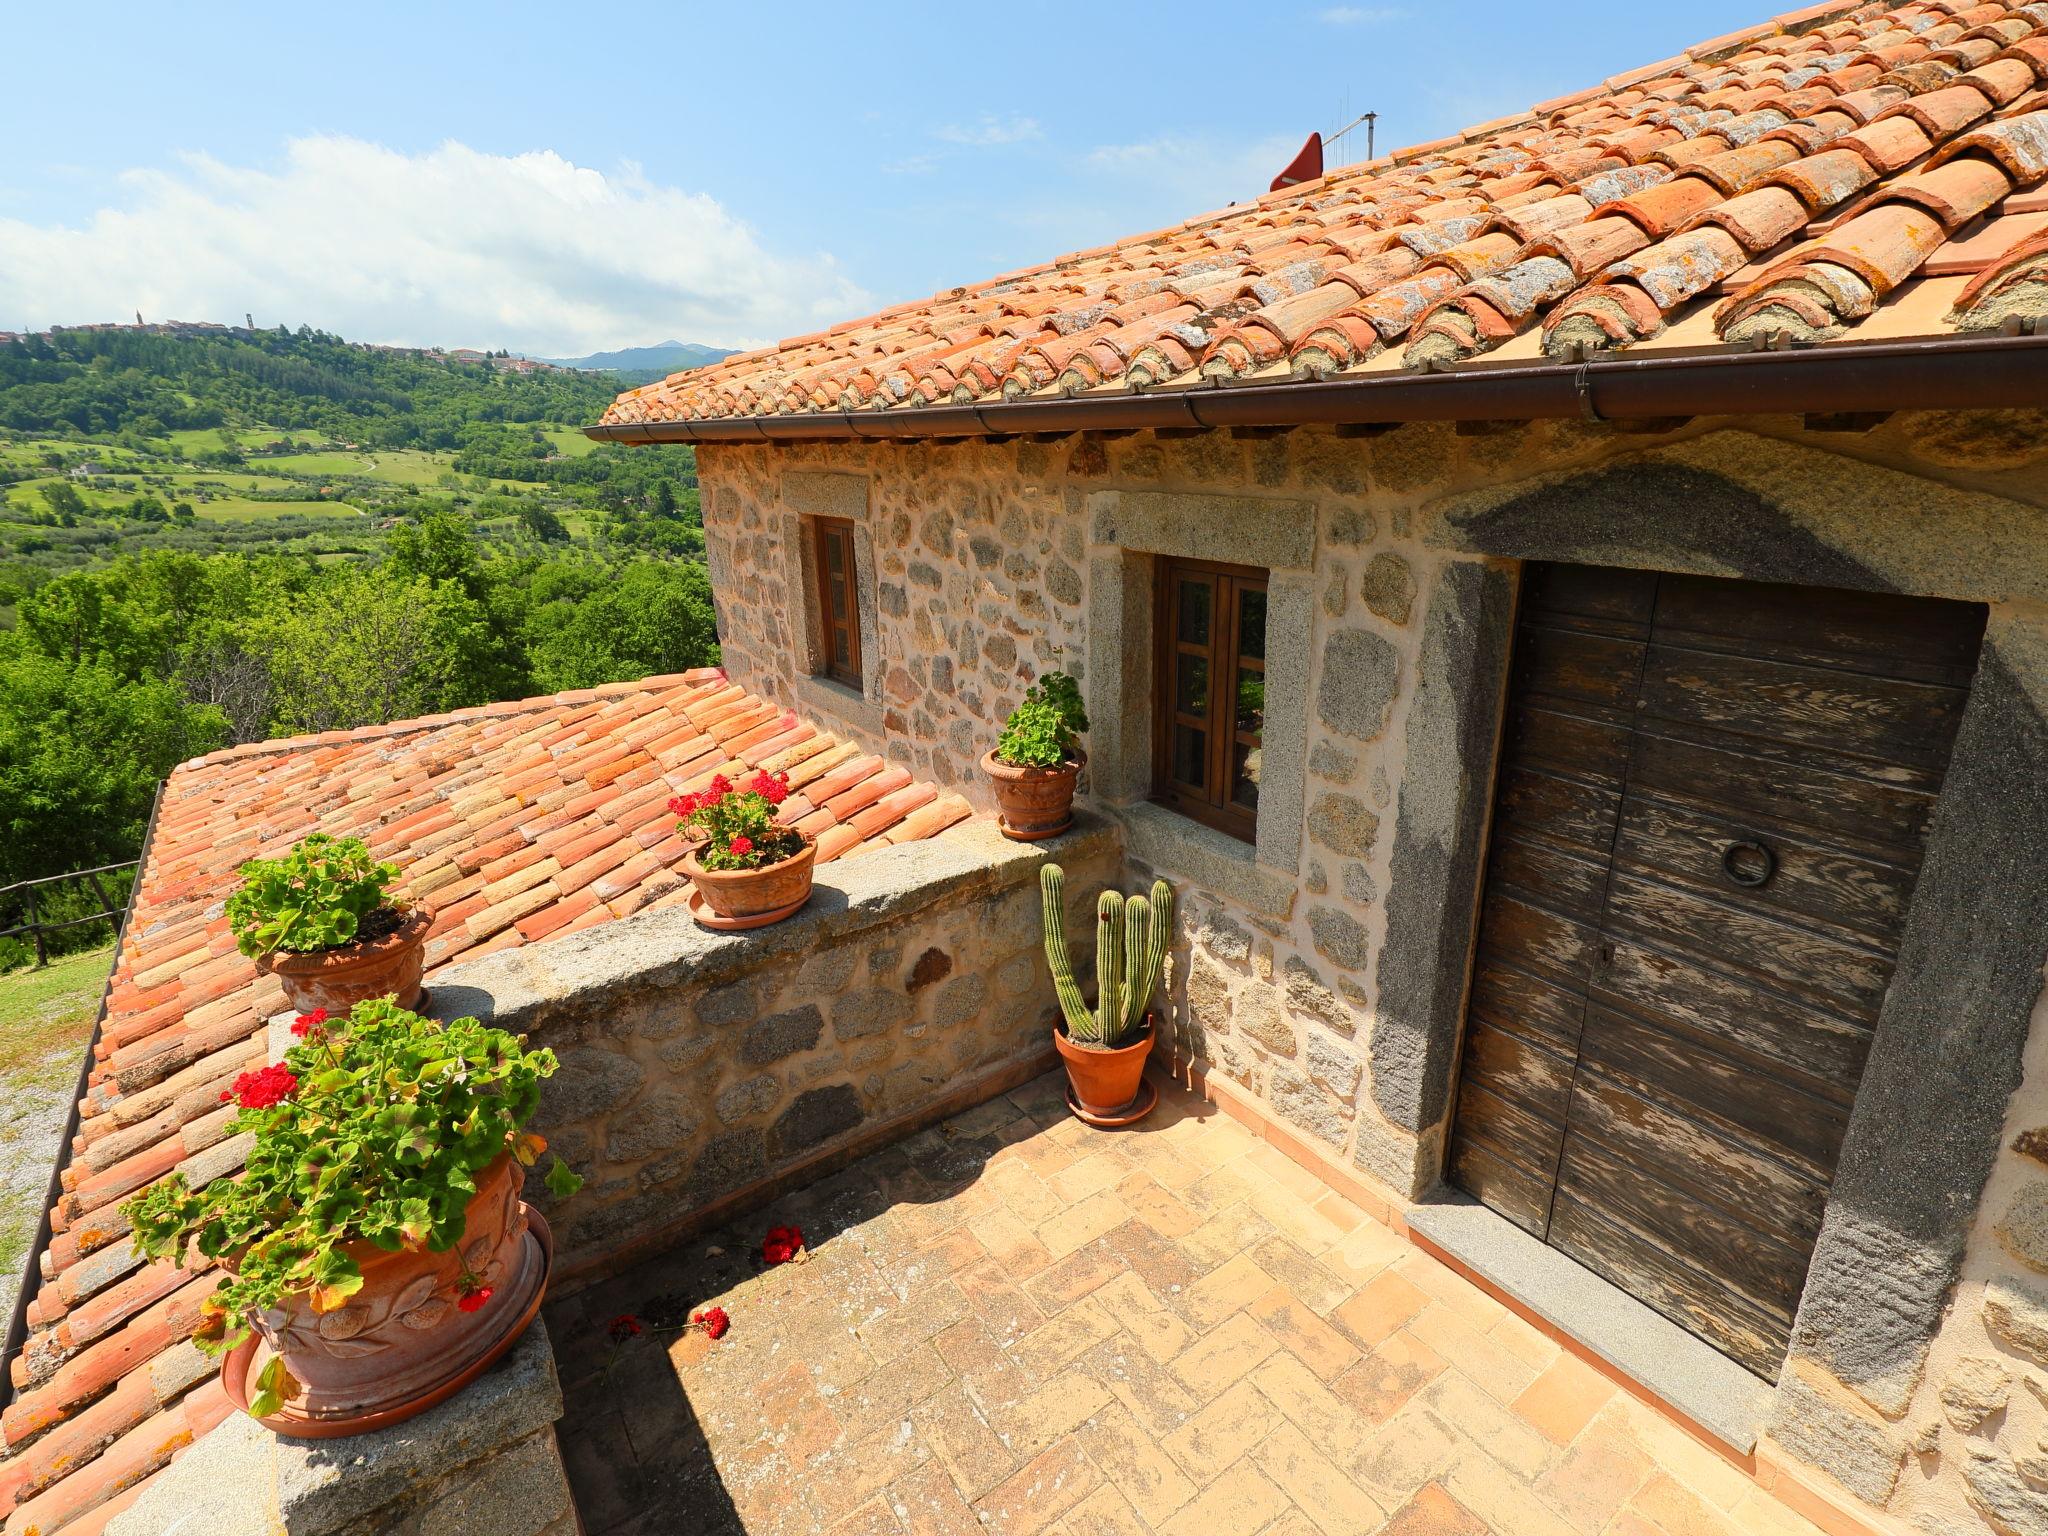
x=45, y=1020
x=570, y=443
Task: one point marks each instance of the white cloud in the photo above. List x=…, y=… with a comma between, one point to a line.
x=451, y=246
x=1359, y=15
x=990, y=129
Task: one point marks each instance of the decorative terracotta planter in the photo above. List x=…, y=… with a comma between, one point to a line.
x=739, y=894
x=338, y=979
x=1036, y=803
x=402, y=1343
x=1107, y=1086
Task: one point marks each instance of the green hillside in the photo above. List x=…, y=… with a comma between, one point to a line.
x=227, y=536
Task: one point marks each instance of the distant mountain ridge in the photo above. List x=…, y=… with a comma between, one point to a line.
x=663, y=358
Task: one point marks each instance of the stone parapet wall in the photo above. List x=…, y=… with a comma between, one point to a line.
x=698, y=1068
x=484, y=1461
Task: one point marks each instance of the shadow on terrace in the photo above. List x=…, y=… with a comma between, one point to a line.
x=1012, y=1323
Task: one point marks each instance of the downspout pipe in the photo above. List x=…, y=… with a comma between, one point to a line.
x=1980, y=372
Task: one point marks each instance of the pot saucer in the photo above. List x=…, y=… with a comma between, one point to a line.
x=717, y=923
x=235, y=1365
x=1015, y=836
x=1143, y=1105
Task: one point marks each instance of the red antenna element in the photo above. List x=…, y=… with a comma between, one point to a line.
x=1306, y=166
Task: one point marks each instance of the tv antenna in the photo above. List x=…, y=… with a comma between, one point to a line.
x=1371, y=121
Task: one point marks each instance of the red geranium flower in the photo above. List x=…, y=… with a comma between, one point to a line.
x=782, y=1244
x=742, y=843
x=625, y=1326
x=473, y=1297
x=683, y=805
x=264, y=1088
x=713, y=1321
x=306, y=1023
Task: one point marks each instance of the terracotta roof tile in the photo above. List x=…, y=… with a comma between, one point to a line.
x=1443, y=243
x=516, y=822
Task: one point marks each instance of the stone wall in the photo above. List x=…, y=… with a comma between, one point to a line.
x=1328, y=987
x=485, y=1460
x=698, y=1067
x=1327, y=980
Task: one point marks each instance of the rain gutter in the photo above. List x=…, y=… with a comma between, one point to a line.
x=1979, y=372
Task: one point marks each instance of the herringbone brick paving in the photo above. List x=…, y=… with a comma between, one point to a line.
x=1015, y=1325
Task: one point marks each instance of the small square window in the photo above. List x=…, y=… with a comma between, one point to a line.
x=837, y=599
x=1210, y=698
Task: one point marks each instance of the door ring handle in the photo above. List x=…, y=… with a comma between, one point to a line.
x=1748, y=873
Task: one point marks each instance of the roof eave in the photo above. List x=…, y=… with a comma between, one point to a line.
x=1982, y=371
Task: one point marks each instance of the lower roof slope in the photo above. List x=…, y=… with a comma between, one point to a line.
x=1839, y=171
x=514, y=821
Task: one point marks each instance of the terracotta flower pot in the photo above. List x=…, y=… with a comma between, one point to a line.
x=404, y=1342
x=1106, y=1084
x=337, y=979
x=1035, y=803
x=741, y=893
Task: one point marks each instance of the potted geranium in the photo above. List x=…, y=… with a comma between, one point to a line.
x=1104, y=1047
x=747, y=869
x=376, y=1248
x=321, y=920
x=1037, y=758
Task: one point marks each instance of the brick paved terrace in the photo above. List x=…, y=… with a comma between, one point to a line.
x=1014, y=1324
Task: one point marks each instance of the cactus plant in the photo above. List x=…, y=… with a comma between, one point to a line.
x=1131, y=935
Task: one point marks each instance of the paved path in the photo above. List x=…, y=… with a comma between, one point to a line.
x=1014, y=1325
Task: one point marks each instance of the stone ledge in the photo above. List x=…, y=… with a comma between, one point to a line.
x=1275, y=533
x=666, y=948
x=240, y=1479
x=1181, y=849
x=1684, y=1372
x=837, y=704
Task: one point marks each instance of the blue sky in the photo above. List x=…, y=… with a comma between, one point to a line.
x=561, y=179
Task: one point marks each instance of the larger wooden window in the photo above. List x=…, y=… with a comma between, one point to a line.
x=1211, y=700
x=838, y=604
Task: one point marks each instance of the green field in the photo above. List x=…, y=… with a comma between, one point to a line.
x=570, y=443
x=45, y=1020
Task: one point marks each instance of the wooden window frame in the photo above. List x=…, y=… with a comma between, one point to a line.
x=1208, y=803
x=821, y=532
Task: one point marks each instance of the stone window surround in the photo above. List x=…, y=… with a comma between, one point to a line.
x=806, y=494
x=1126, y=531
x=1946, y=1055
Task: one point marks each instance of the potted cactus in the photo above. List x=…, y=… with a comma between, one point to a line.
x=1105, y=1047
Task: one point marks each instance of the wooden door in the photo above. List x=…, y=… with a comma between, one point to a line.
x=1711, y=809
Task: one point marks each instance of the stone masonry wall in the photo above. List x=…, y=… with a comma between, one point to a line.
x=1976, y=1434
x=982, y=581
x=698, y=1065
x=982, y=574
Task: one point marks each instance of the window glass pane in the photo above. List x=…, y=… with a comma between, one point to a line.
x=835, y=558
x=1191, y=685
x=1194, y=612
x=1244, y=776
x=1251, y=701
x=1251, y=622
x=841, y=656
x=1190, y=755
x=837, y=587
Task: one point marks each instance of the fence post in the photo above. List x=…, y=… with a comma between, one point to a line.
x=36, y=927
